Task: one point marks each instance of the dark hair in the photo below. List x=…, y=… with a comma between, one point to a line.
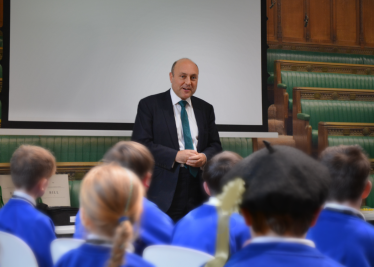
x=29, y=164
x=175, y=63
x=349, y=169
x=131, y=155
x=284, y=189
x=217, y=167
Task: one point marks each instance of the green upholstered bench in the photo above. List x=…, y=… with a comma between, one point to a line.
x=313, y=105
x=75, y=155
x=339, y=133
x=290, y=74
x=279, y=54
x=369, y=201
x=92, y=149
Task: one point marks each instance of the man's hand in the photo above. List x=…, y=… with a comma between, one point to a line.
x=197, y=160
x=184, y=155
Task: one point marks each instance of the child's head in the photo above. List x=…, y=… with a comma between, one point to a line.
x=284, y=190
x=31, y=167
x=111, y=202
x=134, y=156
x=349, y=169
x=216, y=168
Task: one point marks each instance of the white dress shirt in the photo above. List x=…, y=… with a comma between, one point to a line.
x=272, y=239
x=178, y=122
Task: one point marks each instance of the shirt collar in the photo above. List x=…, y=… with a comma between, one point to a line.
x=343, y=208
x=276, y=239
x=24, y=196
x=175, y=99
x=213, y=201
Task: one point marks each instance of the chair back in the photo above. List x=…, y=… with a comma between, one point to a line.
x=11, y=247
x=61, y=246
x=171, y=256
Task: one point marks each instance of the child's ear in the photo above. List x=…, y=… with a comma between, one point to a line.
x=41, y=186
x=146, y=181
x=367, y=189
x=247, y=217
x=206, y=188
x=315, y=217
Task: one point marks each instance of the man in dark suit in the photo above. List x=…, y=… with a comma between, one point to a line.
x=180, y=131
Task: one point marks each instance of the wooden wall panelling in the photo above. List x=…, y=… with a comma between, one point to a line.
x=346, y=22
x=292, y=19
x=368, y=22
x=320, y=26
x=271, y=13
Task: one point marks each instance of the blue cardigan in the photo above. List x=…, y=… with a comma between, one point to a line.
x=156, y=227
x=345, y=238
x=280, y=254
x=198, y=230
x=89, y=255
x=20, y=218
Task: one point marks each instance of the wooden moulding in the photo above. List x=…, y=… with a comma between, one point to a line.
x=357, y=50
x=75, y=170
x=308, y=66
x=326, y=129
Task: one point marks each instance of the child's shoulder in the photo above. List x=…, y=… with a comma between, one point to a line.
x=135, y=260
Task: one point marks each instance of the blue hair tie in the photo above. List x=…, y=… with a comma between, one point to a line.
x=122, y=219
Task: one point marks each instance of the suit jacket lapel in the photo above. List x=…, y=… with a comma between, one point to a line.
x=200, y=122
x=167, y=107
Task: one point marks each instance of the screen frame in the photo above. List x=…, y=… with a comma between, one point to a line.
x=4, y=96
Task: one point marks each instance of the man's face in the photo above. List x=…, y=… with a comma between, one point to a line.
x=184, y=80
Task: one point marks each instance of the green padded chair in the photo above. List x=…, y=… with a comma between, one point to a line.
x=335, y=111
x=242, y=146
x=64, y=148
x=370, y=198
x=291, y=79
x=74, y=189
x=279, y=54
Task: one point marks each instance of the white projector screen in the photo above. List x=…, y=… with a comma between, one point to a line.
x=91, y=61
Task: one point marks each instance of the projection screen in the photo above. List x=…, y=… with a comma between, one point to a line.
x=85, y=64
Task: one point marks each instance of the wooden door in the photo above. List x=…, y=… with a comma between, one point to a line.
x=292, y=20
x=271, y=13
x=346, y=22
x=320, y=25
x=368, y=22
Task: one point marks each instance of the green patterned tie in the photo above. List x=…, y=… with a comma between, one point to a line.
x=188, y=144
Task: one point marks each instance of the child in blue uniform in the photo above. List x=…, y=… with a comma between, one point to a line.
x=111, y=203
x=341, y=231
x=31, y=168
x=155, y=226
x=198, y=229
x=284, y=191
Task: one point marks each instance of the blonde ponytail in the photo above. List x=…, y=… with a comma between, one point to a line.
x=111, y=198
x=122, y=236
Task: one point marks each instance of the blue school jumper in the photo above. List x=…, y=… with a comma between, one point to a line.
x=20, y=218
x=198, y=230
x=280, y=254
x=156, y=227
x=345, y=237
x=92, y=255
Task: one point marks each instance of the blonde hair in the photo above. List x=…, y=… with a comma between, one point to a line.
x=131, y=155
x=111, y=198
